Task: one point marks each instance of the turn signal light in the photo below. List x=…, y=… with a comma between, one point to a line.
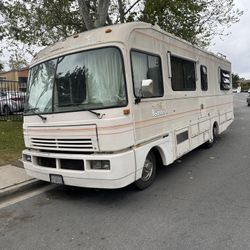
x=108, y=30
x=126, y=111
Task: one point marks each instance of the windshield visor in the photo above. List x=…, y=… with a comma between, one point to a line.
x=81, y=81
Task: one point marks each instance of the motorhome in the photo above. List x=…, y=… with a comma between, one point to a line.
x=106, y=107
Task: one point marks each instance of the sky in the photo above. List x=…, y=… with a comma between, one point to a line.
x=236, y=46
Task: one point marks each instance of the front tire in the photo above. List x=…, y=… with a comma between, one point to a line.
x=148, y=172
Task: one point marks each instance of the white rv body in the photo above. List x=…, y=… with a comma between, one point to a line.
x=171, y=125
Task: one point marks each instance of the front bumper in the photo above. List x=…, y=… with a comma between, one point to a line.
x=121, y=173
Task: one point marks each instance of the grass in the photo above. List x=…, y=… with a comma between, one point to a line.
x=11, y=141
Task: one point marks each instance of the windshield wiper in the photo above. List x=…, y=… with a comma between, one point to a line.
x=99, y=115
x=33, y=110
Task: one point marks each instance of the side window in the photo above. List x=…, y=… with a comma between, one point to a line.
x=146, y=67
x=183, y=74
x=203, y=70
x=224, y=79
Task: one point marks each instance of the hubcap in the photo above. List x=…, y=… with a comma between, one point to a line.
x=147, y=169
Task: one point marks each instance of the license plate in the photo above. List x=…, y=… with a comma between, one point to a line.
x=56, y=179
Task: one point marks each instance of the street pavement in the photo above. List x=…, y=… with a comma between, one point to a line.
x=202, y=201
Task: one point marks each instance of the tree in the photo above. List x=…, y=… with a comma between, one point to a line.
x=1, y=64
x=46, y=21
x=39, y=22
x=216, y=17
x=235, y=80
x=94, y=13
x=17, y=61
x=196, y=21
x=177, y=17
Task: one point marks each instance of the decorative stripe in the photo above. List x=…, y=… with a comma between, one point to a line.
x=181, y=114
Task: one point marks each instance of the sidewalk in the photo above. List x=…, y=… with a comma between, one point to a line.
x=13, y=179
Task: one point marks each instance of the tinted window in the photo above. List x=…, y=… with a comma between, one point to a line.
x=183, y=74
x=203, y=77
x=144, y=67
x=224, y=80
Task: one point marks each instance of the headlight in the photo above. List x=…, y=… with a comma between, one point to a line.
x=100, y=165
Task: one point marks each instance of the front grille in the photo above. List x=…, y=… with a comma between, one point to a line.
x=80, y=145
x=69, y=164
x=46, y=162
x=72, y=164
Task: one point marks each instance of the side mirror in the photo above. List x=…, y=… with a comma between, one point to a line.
x=147, y=88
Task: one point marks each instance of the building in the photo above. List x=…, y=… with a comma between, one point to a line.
x=14, y=79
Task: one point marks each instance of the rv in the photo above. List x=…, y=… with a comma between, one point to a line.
x=105, y=107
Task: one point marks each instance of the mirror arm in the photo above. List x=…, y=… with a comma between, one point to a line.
x=137, y=100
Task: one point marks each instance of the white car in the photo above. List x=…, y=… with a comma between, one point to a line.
x=18, y=98
x=11, y=102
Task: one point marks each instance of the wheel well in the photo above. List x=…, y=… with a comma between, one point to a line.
x=158, y=157
x=216, y=126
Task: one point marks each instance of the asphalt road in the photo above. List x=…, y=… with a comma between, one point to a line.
x=200, y=202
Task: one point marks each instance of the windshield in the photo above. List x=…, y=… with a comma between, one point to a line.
x=81, y=81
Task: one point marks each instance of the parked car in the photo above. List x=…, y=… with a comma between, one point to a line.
x=237, y=90
x=11, y=102
x=18, y=97
x=248, y=100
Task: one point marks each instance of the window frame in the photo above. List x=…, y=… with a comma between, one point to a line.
x=169, y=55
x=75, y=52
x=201, y=72
x=131, y=64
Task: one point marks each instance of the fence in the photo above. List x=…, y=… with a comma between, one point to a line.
x=12, y=96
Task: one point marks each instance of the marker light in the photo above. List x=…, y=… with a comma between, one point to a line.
x=108, y=30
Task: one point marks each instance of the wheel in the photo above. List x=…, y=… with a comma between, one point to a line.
x=6, y=110
x=148, y=172
x=210, y=142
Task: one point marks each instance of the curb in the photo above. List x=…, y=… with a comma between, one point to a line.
x=17, y=163
x=21, y=187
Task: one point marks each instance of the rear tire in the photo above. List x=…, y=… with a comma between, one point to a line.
x=148, y=172
x=211, y=141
